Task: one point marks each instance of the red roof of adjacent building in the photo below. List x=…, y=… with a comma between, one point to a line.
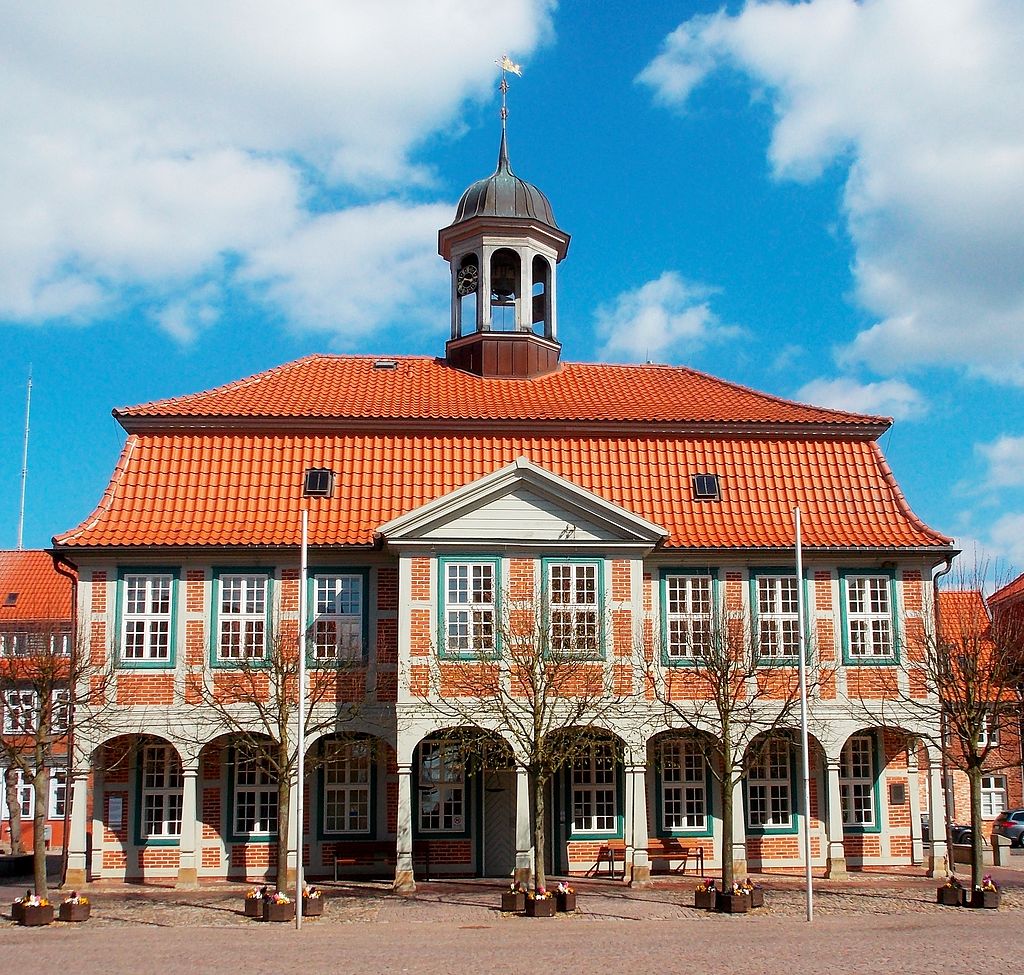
x=31, y=589
x=1012, y=590
x=963, y=615
x=331, y=387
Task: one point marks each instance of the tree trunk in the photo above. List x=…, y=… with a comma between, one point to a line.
x=284, y=796
x=539, y=876
x=977, y=838
x=13, y=810
x=40, y=786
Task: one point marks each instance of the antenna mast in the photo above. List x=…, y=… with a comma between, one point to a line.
x=24, y=462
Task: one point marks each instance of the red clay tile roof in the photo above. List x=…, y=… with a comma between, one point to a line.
x=42, y=592
x=1012, y=590
x=963, y=615
x=201, y=489
x=329, y=387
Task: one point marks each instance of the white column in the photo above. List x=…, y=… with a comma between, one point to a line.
x=739, y=833
x=188, y=867
x=914, y=798
x=640, y=875
x=938, y=862
x=98, y=790
x=405, y=880
x=77, y=864
x=835, y=865
x=524, y=828
x=293, y=837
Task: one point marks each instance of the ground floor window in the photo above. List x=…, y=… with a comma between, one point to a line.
x=346, y=780
x=683, y=785
x=993, y=795
x=26, y=795
x=58, y=793
x=442, y=792
x=255, y=799
x=162, y=791
x=594, y=790
x=770, y=788
x=857, y=781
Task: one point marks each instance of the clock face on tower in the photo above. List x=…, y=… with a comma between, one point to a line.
x=465, y=281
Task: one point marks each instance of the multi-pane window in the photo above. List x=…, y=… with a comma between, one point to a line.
x=683, y=786
x=60, y=710
x=993, y=795
x=769, y=787
x=255, y=784
x=573, y=606
x=857, y=781
x=777, y=616
x=594, y=787
x=242, y=617
x=22, y=643
x=24, y=792
x=869, y=616
x=338, y=617
x=988, y=734
x=442, y=787
x=347, y=787
x=161, y=792
x=20, y=711
x=146, y=616
x=688, y=610
x=469, y=607
x=58, y=793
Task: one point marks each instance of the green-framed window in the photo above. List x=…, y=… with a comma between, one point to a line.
x=147, y=609
x=241, y=616
x=442, y=796
x=775, y=598
x=869, y=611
x=574, y=596
x=159, y=794
x=339, y=601
x=683, y=797
x=688, y=599
x=595, y=792
x=252, y=790
x=346, y=788
x=858, y=784
x=770, y=795
x=468, y=606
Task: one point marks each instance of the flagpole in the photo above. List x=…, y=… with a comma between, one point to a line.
x=24, y=463
x=300, y=799
x=801, y=623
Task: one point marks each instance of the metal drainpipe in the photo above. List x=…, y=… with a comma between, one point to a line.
x=58, y=560
x=943, y=733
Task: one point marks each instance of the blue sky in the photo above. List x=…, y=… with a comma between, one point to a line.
x=822, y=200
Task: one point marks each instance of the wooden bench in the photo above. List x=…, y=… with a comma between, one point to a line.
x=666, y=848
x=370, y=853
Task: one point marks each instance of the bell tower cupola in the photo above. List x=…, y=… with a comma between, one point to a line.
x=503, y=249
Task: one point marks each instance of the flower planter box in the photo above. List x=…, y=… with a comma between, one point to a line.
x=951, y=896
x=705, y=900
x=254, y=907
x=513, y=902
x=74, y=912
x=757, y=897
x=734, y=903
x=312, y=906
x=33, y=917
x=988, y=899
x=17, y=911
x=565, y=902
x=278, y=912
x=540, y=907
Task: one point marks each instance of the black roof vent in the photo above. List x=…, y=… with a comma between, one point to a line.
x=10, y=599
x=705, y=487
x=385, y=364
x=318, y=482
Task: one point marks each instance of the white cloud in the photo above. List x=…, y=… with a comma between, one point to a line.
x=1007, y=535
x=151, y=147
x=923, y=100
x=658, y=321
x=890, y=397
x=1005, y=457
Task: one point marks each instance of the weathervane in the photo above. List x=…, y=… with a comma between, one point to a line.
x=506, y=64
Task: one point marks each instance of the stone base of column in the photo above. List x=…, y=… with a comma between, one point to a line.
x=405, y=882
x=291, y=875
x=835, y=868
x=188, y=878
x=937, y=866
x=76, y=878
x=523, y=875
x=640, y=876
x=739, y=867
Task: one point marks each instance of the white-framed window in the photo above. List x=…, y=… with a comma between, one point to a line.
x=58, y=793
x=688, y=616
x=993, y=795
x=573, y=606
x=857, y=781
x=988, y=736
x=60, y=710
x=347, y=787
x=470, y=606
x=255, y=799
x=778, y=617
x=21, y=706
x=146, y=616
x=22, y=643
x=26, y=796
x=162, y=792
x=684, y=803
x=770, y=787
x=594, y=790
x=338, y=616
x=869, y=617
x=442, y=787
x=242, y=619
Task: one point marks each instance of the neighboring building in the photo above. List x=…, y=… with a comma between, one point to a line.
x=35, y=619
x=633, y=499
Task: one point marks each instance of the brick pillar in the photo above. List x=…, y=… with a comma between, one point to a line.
x=524, y=828
x=640, y=875
x=188, y=873
x=405, y=879
x=835, y=865
x=77, y=864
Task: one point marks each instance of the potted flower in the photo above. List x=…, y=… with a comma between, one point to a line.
x=734, y=901
x=565, y=897
x=540, y=903
x=986, y=894
x=312, y=902
x=951, y=893
x=254, y=902
x=705, y=895
x=35, y=911
x=755, y=892
x=74, y=908
x=278, y=906
x=513, y=900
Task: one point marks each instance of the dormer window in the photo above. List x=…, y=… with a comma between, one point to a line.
x=705, y=487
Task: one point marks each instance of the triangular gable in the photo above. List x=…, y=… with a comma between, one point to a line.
x=522, y=504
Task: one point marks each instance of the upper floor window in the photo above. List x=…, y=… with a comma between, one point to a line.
x=162, y=792
x=23, y=790
x=574, y=606
x=778, y=622
x=346, y=792
x=595, y=790
x=470, y=606
x=60, y=710
x=683, y=786
x=993, y=795
x=21, y=707
x=869, y=617
x=23, y=643
x=338, y=616
x=988, y=734
x=770, y=787
x=58, y=793
x=857, y=781
x=242, y=616
x=146, y=616
x=688, y=616
x=442, y=787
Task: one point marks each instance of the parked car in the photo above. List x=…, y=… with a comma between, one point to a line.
x=961, y=833
x=1010, y=824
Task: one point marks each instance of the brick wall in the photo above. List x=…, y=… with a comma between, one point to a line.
x=154, y=689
